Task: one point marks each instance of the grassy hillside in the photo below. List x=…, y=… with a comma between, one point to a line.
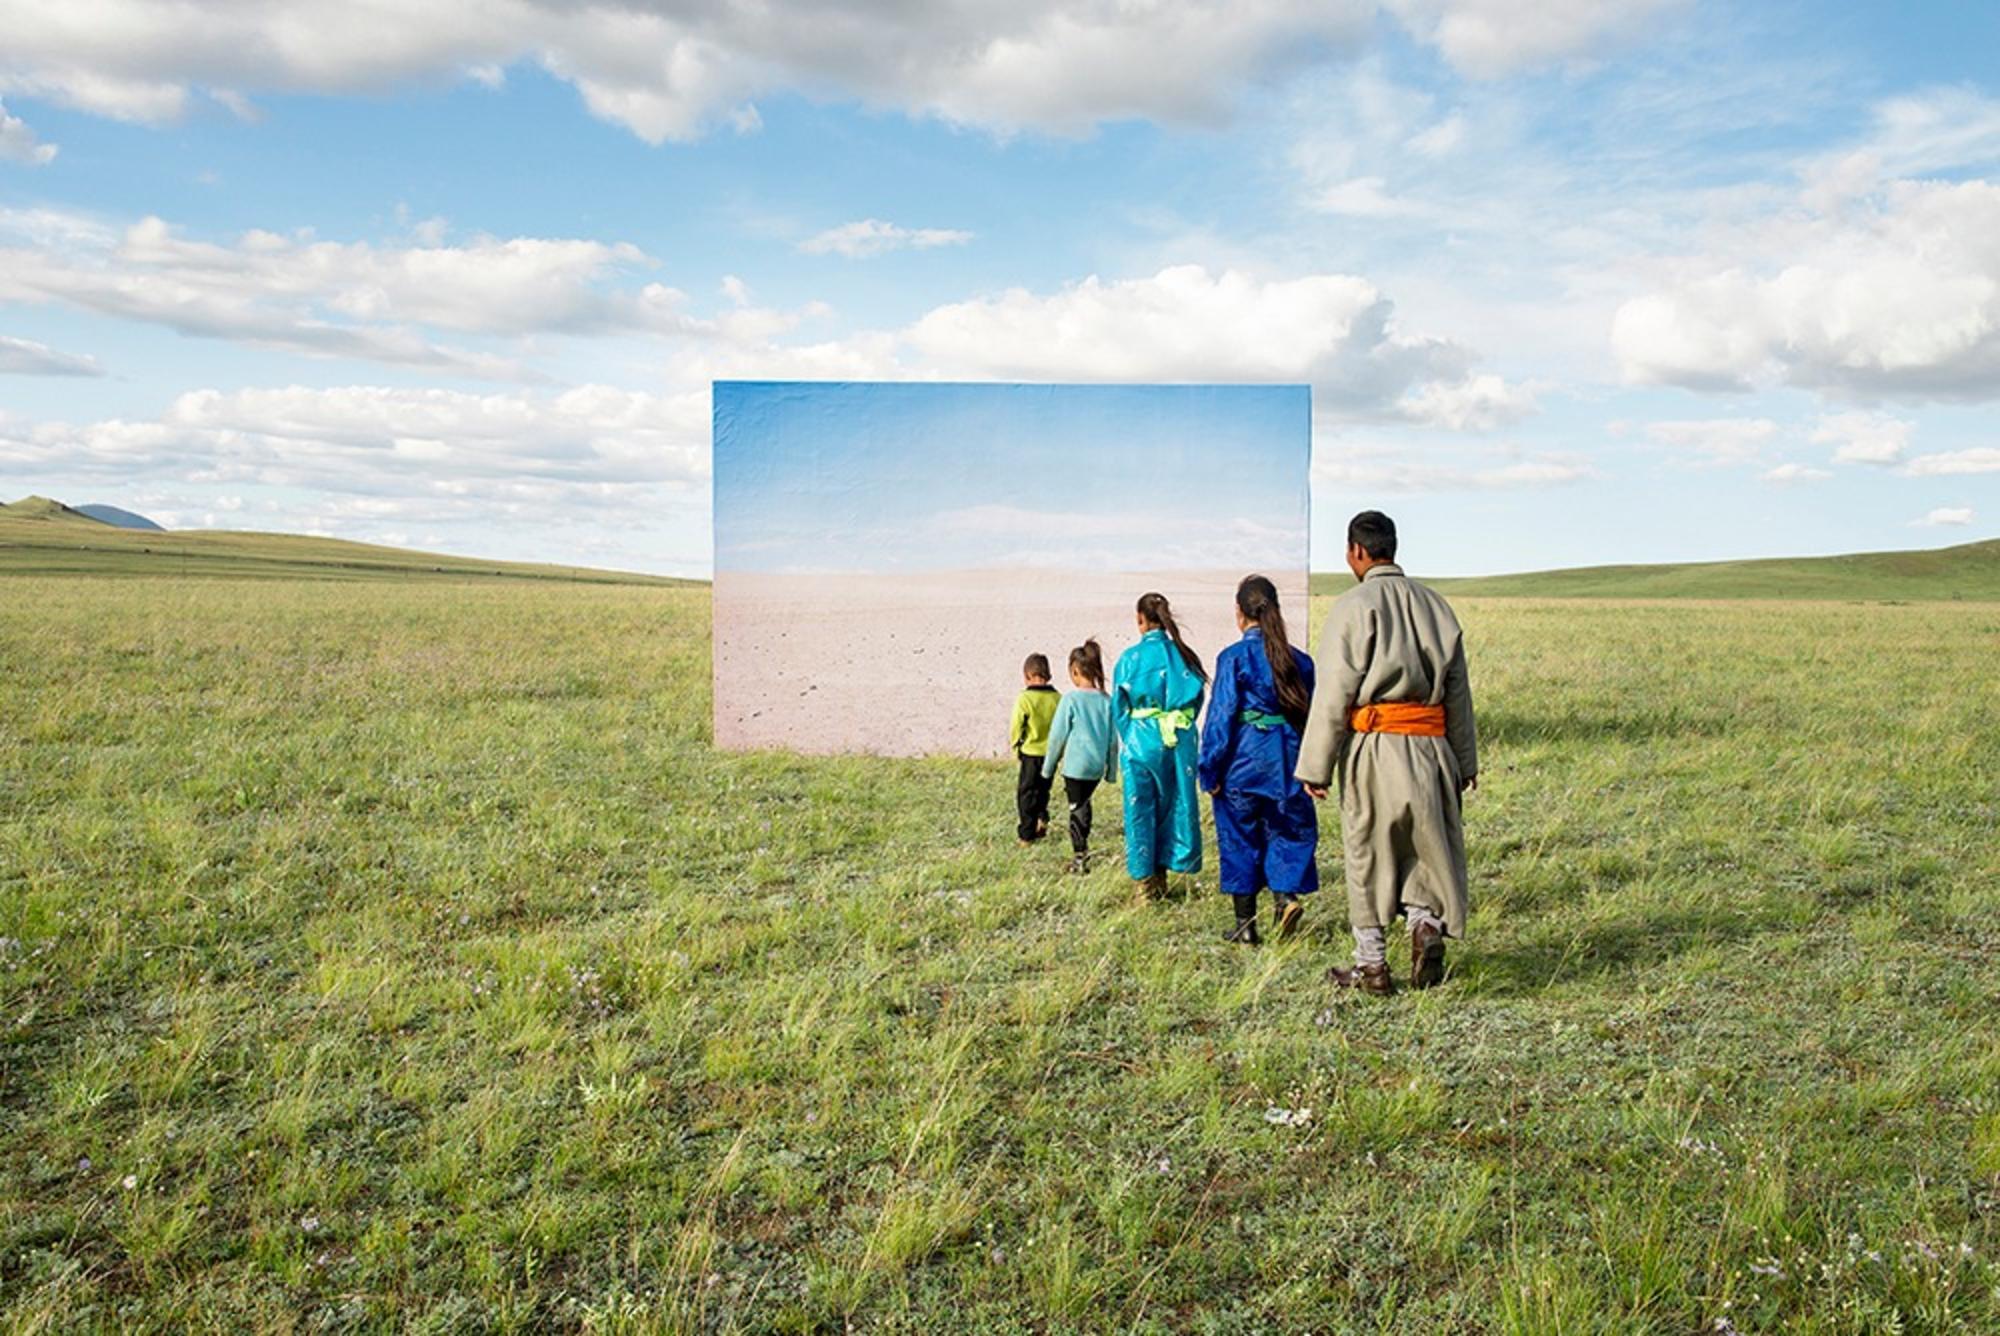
x=400, y=957
x=1967, y=572
x=42, y=537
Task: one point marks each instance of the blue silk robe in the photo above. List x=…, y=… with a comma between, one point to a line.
x=1266, y=829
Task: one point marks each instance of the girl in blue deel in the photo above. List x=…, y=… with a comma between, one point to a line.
x=1265, y=828
x=1156, y=694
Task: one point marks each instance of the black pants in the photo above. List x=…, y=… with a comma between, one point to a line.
x=1031, y=798
x=1078, y=792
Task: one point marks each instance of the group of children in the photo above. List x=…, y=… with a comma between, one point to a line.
x=1243, y=755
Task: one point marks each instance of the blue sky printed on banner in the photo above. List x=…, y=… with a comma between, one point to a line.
x=1621, y=281
x=814, y=478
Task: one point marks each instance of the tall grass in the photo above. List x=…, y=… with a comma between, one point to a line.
x=401, y=956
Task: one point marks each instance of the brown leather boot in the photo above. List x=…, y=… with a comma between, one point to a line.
x=1426, y=956
x=1153, y=887
x=1364, y=978
x=1286, y=914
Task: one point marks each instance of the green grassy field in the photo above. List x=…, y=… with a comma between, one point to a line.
x=40, y=537
x=1968, y=572
x=397, y=955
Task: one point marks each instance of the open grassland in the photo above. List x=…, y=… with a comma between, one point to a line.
x=31, y=544
x=400, y=956
x=1968, y=572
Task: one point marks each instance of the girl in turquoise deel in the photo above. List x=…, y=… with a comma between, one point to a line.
x=1156, y=694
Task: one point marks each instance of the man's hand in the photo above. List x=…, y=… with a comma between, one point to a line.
x=1317, y=792
x=1467, y=785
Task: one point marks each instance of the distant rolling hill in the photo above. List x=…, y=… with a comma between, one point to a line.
x=124, y=519
x=43, y=537
x=1970, y=571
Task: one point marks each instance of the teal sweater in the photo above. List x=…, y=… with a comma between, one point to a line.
x=1081, y=737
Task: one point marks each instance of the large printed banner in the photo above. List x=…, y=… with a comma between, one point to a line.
x=886, y=555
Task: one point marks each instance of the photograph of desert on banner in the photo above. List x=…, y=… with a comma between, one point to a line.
x=886, y=555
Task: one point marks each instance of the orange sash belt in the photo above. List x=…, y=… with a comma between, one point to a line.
x=1398, y=716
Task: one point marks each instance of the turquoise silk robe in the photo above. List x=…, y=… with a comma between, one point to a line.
x=1155, y=698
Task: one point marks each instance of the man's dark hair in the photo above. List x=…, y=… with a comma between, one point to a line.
x=1374, y=533
x=1037, y=665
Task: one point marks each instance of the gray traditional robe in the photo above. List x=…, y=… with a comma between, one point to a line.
x=1391, y=639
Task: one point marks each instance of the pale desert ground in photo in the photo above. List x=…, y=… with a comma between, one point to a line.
x=930, y=663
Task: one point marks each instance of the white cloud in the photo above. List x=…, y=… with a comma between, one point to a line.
x=1946, y=515
x=667, y=72
x=1790, y=472
x=422, y=448
x=1477, y=403
x=1979, y=459
x=1416, y=469
x=1491, y=38
x=1864, y=438
x=1715, y=440
x=871, y=236
x=25, y=357
x=19, y=144
x=670, y=71
x=1334, y=331
x=1364, y=197
x=1896, y=293
x=356, y=299
x=1439, y=139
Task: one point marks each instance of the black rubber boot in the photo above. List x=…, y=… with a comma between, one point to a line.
x=1245, y=931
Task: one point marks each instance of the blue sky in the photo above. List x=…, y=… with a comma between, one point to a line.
x=1630, y=280
x=815, y=477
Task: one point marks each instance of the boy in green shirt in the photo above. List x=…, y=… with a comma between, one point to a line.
x=1028, y=734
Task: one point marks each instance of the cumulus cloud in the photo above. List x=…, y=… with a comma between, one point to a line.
x=356, y=299
x=1792, y=472
x=1491, y=38
x=1715, y=440
x=1979, y=459
x=425, y=446
x=1186, y=323
x=1946, y=516
x=1477, y=403
x=670, y=71
x=872, y=236
x=25, y=357
x=1895, y=293
x=1864, y=438
x=19, y=144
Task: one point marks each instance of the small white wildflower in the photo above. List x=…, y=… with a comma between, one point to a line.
x=309, y=1223
x=129, y=1182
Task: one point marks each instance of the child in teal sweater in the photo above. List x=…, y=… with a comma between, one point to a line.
x=1083, y=745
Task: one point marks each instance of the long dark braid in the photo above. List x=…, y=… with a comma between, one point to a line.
x=1257, y=600
x=1157, y=612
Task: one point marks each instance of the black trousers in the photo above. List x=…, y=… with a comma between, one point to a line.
x=1078, y=792
x=1031, y=798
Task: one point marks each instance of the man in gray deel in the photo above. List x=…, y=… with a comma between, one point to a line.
x=1392, y=712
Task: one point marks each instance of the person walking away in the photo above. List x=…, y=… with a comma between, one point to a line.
x=1028, y=735
x=1266, y=831
x=1391, y=715
x=1156, y=694
x=1082, y=746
